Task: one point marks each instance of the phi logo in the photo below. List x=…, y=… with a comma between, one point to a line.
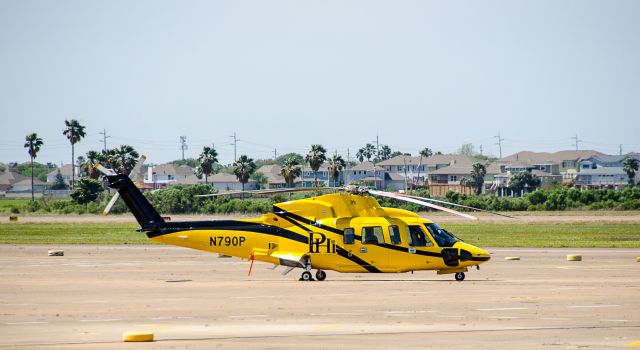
x=318, y=243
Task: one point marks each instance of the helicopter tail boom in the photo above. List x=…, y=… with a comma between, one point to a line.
x=144, y=212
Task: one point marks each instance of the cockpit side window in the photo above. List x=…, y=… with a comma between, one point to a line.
x=394, y=234
x=442, y=237
x=417, y=237
x=372, y=235
x=349, y=236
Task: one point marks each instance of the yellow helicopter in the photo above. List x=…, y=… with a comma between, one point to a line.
x=346, y=231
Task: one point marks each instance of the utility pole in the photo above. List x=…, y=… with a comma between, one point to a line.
x=275, y=153
x=234, y=144
x=480, y=150
x=577, y=141
x=620, y=149
x=499, y=143
x=375, y=177
x=183, y=145
x=104, y=138
x=346, y=178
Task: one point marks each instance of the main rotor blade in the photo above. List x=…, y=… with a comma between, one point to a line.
x=456, y=205
x=423, y=203
x=272, y=191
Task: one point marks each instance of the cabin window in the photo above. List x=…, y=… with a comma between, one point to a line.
x=372, y=235
x=394, y=234
x=349, y=237
x=417, y=237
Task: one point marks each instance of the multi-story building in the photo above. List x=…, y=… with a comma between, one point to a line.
x=604, y=171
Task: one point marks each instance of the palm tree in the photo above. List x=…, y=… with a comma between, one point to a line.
x=360, y=155
x=336, y=164
x=426, y=152
x=290, y=170
x=630, y=166
x=207, y=158
x=477, y=174
x=33, y=144
x=108, y=158
x=127, y=157
x=74, y=132
x=385, y=152
x=243, y=168
x=315, y=158
x=369, y=151
x=92, y=158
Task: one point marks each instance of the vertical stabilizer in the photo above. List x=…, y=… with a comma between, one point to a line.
x=147, y=216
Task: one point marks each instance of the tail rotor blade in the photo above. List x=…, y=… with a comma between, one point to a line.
x=111, y=203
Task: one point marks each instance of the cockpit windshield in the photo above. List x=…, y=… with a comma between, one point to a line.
x=442, y=237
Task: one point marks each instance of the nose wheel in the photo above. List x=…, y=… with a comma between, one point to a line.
x=321, y=275
x=460, y=276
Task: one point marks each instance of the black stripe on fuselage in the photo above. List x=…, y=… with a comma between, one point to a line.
x=228, y=225
x=300, y=220
x=406, y=250
x=345, y=254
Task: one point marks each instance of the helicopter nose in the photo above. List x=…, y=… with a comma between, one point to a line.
x=481, y=255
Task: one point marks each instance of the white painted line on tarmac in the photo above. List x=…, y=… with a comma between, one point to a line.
x=451, y=316
x=184, y=317
x=258, y=297
x=504, y=309
x=89, y=302
x=615, y=321
x=556, y=318
x=27, y=322
x=336, y=314
x=590, y=306
x=408, y=312
x=247, y=316
x=161, y=318
x=503, y=317
x=102, y=320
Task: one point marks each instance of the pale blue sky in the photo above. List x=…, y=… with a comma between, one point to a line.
x=285, y=74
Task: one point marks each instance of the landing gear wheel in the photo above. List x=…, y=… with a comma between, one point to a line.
x=306, y=276
x=460, y=276
x=321, y=275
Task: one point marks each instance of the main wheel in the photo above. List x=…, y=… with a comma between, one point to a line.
x=321, y=275
x=306, y=276
x=460, y=276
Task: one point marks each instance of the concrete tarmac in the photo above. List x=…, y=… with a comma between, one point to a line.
x=195, y=300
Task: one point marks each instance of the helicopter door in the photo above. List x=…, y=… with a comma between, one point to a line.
x=372, y=249
x=398, y=257
x=422, y=252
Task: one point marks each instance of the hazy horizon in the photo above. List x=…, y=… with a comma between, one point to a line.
x=285, y=74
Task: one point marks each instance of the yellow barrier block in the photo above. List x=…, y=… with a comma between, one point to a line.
x=637, y=343
x=137, y=336
x=512, y=258
x=638, y=259
x=574, y=257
